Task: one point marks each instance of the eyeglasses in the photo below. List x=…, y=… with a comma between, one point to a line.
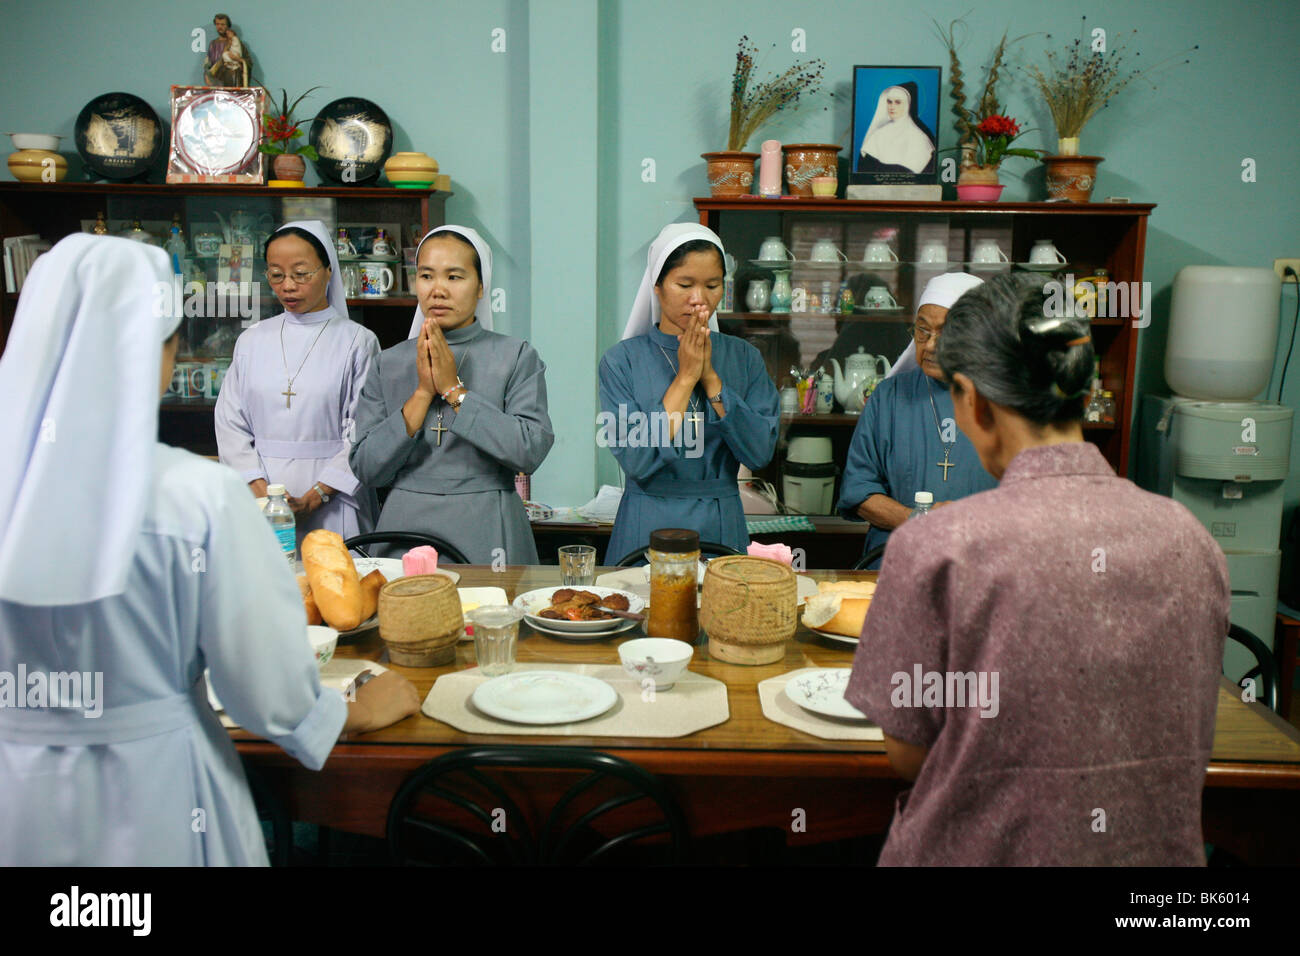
x=277, y=278
x=922, y=334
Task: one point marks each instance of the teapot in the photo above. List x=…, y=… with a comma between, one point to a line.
x=858, y=379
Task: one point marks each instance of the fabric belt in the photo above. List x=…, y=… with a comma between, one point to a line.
x=66, y=726
x=686, y=488
x=300, y=449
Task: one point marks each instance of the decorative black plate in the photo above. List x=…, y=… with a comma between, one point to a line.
x=351, y=134
x=118, y=136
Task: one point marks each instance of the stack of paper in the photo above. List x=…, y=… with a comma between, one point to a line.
x=20, y=253
x=604, y=506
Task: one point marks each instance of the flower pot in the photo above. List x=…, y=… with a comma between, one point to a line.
x=288, y=168
x=411, y=170
x=979, y=192
x=731, y=173
x=806, y=161
x=1071, y=177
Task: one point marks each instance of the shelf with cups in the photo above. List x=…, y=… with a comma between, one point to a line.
x=211, y=215
x=887, y=252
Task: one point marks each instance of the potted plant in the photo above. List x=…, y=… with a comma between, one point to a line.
x=279, y=130
x=986, y=133
x=731, y=171
x=1076, y=85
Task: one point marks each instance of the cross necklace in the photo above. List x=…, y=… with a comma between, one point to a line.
x=695, y=418
x=438, y=428
x=947, y=448
x=289, y=393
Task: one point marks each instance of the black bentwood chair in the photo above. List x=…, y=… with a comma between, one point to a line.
x=706, y=547
x=452, y=812
x=409, y=538
x=1266, y=669
x=866, y=560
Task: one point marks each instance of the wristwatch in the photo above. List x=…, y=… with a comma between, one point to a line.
x=324, y=498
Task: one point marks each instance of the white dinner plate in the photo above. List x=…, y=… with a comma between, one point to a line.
x=584, y=637
x=544, y=697
x=837, y=638
x=822, y=692
x=337, y=673
x=533, y=602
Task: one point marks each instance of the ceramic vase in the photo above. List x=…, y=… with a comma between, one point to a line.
x=30, y=166
x=731, y=173
x=806, y=161
x=782, y=292
x=288, y=168
x=1071, y=177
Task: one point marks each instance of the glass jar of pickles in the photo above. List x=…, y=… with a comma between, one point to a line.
x=674, y=559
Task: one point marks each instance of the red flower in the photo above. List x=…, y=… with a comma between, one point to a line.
x=998, y=126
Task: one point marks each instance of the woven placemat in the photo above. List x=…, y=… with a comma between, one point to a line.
x=780, y=709
x=694, y=703
x=336, y=673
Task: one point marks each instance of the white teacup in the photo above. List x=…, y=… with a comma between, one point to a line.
x=1045, y=253
x=824, y=250
x=789, y=400
x=773, y=250
x=878, y=297
x=878, y=251
x=376, y=279
x=987, y=252
x=934, y=252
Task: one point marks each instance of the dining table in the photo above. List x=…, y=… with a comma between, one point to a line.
x=748, y=771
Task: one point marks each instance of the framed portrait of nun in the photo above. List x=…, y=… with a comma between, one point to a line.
x=895, y=119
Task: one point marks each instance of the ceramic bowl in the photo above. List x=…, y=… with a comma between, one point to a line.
x=35, y=141
x=30, y=165
x=659, y=658
x=323, y=641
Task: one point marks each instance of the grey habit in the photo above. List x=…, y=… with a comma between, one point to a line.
x=462, y=490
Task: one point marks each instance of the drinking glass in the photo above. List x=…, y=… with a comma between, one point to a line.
x=496, y=633
x=577, y=565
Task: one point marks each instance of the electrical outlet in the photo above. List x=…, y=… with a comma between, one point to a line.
x=1279, y=266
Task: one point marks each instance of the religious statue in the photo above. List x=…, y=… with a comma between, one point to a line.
x=226, y=64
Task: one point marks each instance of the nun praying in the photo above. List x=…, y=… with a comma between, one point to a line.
x=897, y=141
x=450, y=416
x=711, y=391
x=287, y=405
x=906, y=439
x=127, y=568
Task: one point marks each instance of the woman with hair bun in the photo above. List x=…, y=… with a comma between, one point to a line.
x=1075, y=625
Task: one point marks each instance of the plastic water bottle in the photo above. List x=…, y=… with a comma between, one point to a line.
x=923, y=500
x=279, y=514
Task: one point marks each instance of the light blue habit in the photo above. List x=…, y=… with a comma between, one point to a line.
x=666, y=486
x=896, y=450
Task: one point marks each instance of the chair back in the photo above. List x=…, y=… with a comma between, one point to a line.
x=534, y=805
x=870, y=557
x=412, y=539
x=1266, y=668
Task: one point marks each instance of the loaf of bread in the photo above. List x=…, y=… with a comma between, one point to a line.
x=308, y=602
x=837, y=614
x=856, y=589
x=370, y=586
x=333, y=579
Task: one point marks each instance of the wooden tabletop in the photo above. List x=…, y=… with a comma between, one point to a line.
x=1252, y=747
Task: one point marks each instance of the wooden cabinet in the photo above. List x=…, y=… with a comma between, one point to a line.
x=1092, y=236
x=215, y=314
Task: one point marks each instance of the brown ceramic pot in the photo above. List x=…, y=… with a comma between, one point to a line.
x=288, y=167
x=731, y=173
x=1071, y=177
x=803, y=161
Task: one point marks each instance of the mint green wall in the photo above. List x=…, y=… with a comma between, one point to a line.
x=545, y=142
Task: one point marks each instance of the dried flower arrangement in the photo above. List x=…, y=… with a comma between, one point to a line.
x=968, y=120
x=754, y=103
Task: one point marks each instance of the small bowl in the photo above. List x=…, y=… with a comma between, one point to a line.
x=323, y=641
x=659, y=658
x=35, y=141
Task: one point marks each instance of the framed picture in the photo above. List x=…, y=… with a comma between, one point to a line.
x=215, y=135
x=235, y=263
x=895, y=116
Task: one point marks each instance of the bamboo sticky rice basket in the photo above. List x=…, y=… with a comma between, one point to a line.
x=749, y=608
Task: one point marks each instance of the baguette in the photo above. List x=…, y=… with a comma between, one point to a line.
x=333, y=579
x=856, y=589
x=309, y=602
x=837, y=614
x=370, y=586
